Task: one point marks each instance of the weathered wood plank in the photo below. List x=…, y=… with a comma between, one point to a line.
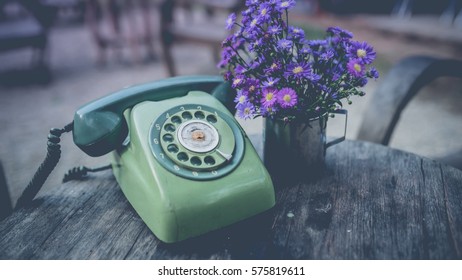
x=453, y=199
x=371, y=202
x=69, y=220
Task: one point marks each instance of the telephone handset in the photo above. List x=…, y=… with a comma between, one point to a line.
x=99, y=126
x=179, y=156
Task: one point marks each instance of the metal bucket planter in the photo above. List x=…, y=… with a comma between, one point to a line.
x=298, y=148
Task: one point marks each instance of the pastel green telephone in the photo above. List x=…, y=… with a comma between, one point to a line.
x=180, y=157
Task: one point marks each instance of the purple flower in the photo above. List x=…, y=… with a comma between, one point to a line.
x=274, y=67
x=256, y=45
x=268, y=111
x=337, y=31
x=337, y=71
x=301, y=70
x=222, y=63
x=238, y=81
x=238, y=42
x=285, y=44
x=296, y=32
x=285, y=4
x=362, y=51
x=316, y=44
x=373, y=73
x=226, y=55
x=228, y=75
x=274, y=29
x=230, y=21
x=240, y=69
x=254, y=23
x=228, y=41
x=297, y=70
x=327, y=55
x=361, y=82
x=305, y=50
x=247, y=16
x=356, y=68
x=249, y=3
x=287, y=98
x=252, y=86
x=270, y=96
x=240, y=98
x=265, y=11
x=245, y=110
x=255, y=64
x=270, y=82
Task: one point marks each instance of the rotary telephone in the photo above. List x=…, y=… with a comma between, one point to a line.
x=179, y=156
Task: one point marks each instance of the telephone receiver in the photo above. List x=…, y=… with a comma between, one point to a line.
x=99, y=126
x=180, y=157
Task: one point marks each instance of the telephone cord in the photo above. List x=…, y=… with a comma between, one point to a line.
x=78, y=173
x=44, y=170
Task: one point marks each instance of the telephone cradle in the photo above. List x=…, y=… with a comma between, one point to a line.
x=181, y=159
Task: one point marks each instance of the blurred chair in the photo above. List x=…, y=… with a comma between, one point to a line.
x=402, y=8
x=5, y=202
x=115, y=24
x=452, y=14
x=26, y=24
x=181, y=22
x=395, y=91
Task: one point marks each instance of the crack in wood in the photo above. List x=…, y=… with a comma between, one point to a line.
x=133, y=245
x=448, y=215
x=425, y=234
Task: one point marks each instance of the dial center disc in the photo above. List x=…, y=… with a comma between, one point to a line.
x=198, y=136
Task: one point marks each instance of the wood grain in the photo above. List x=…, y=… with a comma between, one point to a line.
x=371, y=202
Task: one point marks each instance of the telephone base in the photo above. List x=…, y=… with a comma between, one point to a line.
x=173, y=203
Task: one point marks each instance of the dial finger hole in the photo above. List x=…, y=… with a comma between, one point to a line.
x=196, y=161
x=209, y=160
x=169, y=127
x=168, y=138
x=172, y=148
x=176, y=120
x=199, y=115
x=211, y=119
x=186, y=115
x=182, y=156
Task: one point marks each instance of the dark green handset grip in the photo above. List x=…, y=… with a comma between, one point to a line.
x=99, y=126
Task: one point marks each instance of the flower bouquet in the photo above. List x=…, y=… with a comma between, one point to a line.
x=279, y=74
x=294, y=82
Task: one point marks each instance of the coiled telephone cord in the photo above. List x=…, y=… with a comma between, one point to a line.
x=78, y=173
x=48, y=164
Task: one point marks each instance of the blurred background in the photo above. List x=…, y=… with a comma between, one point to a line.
x=56, y=55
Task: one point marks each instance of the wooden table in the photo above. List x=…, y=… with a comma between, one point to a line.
x=373, y=202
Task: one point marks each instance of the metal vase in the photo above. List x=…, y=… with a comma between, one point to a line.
x=297, y=148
